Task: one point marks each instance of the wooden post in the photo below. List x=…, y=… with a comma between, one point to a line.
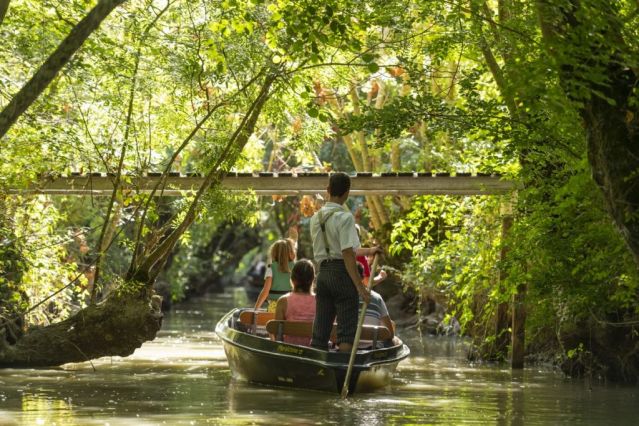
x=518, y=330
x=502, y=335
x=519, y=327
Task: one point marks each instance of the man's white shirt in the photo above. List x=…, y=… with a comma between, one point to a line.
x=340, y=232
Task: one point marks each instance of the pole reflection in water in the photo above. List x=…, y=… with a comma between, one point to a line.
x=182, y=377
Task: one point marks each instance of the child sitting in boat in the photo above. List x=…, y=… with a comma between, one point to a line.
x=376, y=311
x=299, y=304
x=277, y=278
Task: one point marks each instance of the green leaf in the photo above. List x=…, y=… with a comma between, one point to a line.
x=328, y=10
x=368, y=57
x=372, y=67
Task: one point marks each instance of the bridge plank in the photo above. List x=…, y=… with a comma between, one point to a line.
x=285, y=184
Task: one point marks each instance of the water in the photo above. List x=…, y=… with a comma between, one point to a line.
x=182, y=378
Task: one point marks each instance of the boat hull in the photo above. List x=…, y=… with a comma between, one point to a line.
x=260, y=360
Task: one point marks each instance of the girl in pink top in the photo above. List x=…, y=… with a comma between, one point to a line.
x=299, y=304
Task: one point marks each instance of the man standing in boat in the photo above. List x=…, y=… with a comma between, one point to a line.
x=338, y=282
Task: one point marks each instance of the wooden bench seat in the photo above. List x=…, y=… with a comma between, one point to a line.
x=280, y=328
x=256, y=318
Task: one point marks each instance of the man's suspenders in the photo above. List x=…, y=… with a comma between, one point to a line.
x=322, y=222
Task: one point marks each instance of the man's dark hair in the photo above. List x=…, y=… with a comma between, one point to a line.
x=302, y=275
x=338, y=184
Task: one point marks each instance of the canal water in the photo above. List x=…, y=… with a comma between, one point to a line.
x=182, y=378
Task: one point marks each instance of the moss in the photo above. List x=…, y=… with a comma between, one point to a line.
x=117, y=326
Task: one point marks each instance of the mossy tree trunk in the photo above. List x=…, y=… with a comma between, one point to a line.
x=117, y=326
x=598, y=72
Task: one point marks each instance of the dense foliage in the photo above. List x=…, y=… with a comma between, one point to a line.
x=542, y=93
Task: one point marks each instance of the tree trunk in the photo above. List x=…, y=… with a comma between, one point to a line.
x=502, y=335
x=609, y=110
x=361, y=164
x=489, y=56
x=4, y=6
x=348, y=139
x=519, y=328
x=378, y=202
x=54, y=63
x=613, y=153
x=116, y=326
x=375, y=220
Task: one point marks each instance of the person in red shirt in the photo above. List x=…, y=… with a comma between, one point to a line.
x=361, y=257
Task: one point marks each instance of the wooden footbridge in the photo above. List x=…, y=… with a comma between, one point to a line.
x=308, y=183
x=176, y=184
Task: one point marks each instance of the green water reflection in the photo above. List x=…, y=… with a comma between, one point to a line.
x=182, y=378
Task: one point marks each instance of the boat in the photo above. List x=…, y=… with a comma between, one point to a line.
x=255, y=357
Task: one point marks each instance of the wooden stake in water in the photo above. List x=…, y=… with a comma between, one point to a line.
x=358, y=334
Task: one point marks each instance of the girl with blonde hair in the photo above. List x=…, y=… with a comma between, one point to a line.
x=277, y=279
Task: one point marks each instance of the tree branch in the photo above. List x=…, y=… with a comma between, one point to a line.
x=127, y=131
x=138, y=250
x=54, y=63
x=4, y=6
x=494, y=67
x=150, y=266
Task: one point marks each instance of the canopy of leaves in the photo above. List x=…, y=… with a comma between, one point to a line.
x=167, y=85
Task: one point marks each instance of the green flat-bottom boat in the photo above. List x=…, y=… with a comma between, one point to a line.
x=258, y=359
